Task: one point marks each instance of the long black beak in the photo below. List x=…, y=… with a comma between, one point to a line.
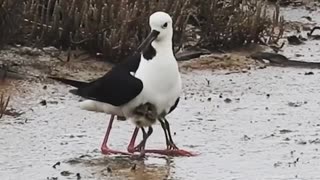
x=152, y=36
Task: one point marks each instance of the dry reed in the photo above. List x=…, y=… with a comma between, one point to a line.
x=234, y=23
x=4, y=102
x=113, y=28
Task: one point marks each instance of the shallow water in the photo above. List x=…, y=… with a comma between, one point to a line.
x=269, y=130
x=252, y=137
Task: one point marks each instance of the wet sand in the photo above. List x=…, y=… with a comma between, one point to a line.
x=271, y=120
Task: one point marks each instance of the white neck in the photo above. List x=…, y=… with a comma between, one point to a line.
x=163, y=46
x=164, y=43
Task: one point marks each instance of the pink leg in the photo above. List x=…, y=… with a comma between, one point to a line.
x=172, y=149
x=104, y=147
x=171, y=152
x=131, y=148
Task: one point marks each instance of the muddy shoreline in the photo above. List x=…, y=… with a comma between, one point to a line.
x=246, y=120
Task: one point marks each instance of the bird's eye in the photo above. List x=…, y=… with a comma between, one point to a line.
x=165, y=25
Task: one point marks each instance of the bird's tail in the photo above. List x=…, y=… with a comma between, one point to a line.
x=74, y=83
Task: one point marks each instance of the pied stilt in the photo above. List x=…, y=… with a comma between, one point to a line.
x=151, y=78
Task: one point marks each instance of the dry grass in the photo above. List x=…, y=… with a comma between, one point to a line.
x=113, y=28
x=230, y=24
x=4, y=102
x=10, y=18
x=110, y=27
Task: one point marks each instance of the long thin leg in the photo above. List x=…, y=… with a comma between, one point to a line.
x=172, y=145
x=104, y=147
x=172, y=149
x=163, y=125
x=142, y=144
x=145, y=136
x=131, y=148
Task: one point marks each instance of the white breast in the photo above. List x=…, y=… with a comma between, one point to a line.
x=161, y=82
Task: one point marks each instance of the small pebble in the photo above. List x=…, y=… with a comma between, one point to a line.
x=307, y=17
x=285, y=131
x=134, y=167
x=301, y=142
x=227, y=100
x=287, y=139
x=66, y=173
x=109, y=170
x=56, y=164
x=308, y=73
x=78, y=176
x=245, y=138
x=43, y=102
x=52, y=178
x=295, y=104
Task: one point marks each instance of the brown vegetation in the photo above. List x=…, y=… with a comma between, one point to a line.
x=230, y=24
x=3, y=104
x=10, y=19
x=113, y=28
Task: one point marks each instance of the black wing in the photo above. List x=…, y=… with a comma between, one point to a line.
x=131, y=63
x=116, y=87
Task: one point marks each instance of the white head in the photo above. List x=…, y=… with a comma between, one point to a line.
x=162, y=23
x=161, y=29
